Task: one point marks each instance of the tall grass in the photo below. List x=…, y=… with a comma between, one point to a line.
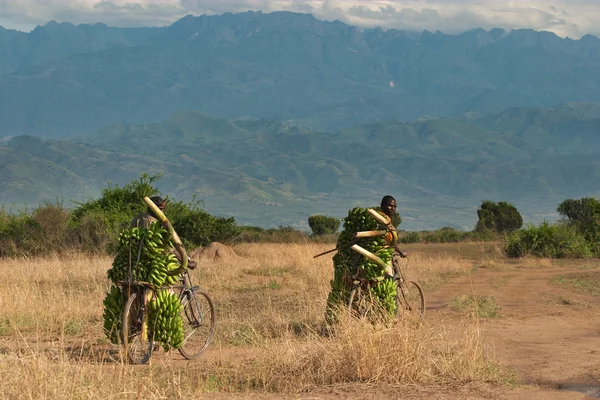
x=271, y=334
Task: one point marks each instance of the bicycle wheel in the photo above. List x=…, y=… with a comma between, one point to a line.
x=136, y=342
x=198, y=315
x=410, y=299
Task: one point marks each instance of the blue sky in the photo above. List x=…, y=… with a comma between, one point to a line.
x=572, y=18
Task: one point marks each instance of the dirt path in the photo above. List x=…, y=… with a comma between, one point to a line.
x=549, y=335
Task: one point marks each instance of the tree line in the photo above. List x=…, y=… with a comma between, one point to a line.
x=93, y=226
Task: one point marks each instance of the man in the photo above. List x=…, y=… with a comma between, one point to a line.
x=147, y=218
x=388, y=206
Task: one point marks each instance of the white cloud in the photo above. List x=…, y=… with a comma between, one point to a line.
x=572, y=18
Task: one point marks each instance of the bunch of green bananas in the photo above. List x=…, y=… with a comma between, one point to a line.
x=165, y=321
x=347, y=262
x=148, y=251
x=114, y=301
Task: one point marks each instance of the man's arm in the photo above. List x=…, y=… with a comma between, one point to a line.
x=402, y=253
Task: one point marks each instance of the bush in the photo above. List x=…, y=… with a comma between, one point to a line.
x=546, y=240
x=447, y=235
x=94, y=226
x=410, y=237
x=196, y=227
x=498, y=217
x=283, y=234
x=323, y=225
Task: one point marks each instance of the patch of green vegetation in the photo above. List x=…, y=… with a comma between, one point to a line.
x=589, y=266
x=553, y=299
x=22, y=323
x=498, y=283
x=478, y=306
x=247, y=288
x=245, y=335
x=277, y=271
x=587, y=283
x=73, y=327
x=273, y=285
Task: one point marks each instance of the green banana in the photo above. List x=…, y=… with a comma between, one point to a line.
x=347, y=263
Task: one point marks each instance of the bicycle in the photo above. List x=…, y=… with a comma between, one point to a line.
x=197, y=313
x=197, y=308
x=409, y=296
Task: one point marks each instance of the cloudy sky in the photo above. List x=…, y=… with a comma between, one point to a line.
x=572, y=18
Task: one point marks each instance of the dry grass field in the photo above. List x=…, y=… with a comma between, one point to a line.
x=494, y=328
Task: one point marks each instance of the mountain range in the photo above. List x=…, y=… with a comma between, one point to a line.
x=271, y=173
x=62, y=79
x=273, y=117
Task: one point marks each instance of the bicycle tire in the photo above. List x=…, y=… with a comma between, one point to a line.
x=410, y=299
x=137, y=348
x=198, y=315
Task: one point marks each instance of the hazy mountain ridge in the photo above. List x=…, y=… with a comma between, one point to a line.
x=283, y=66
x=271, y=173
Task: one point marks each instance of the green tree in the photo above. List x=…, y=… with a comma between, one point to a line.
x=584, y=215
x=196, y=227
x=98, y=222
x=499, y=217
x=323, y=225
x=583, y=210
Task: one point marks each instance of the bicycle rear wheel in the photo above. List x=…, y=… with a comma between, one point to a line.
x=410, y=299
x=198, y=315
x=136, y=340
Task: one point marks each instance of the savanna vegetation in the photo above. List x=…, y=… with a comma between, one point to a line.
x=271, y=334
x=576, y=235
x=93, y=226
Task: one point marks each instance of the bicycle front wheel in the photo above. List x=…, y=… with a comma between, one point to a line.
x=136, y=340
x=198, y=315
x=410, y=299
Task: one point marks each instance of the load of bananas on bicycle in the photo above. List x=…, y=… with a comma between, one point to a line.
x=148, y=252
x=354, y=258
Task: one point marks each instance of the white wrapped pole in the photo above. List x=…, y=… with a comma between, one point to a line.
x=176, y=240
x=368, y=234
x=373, y=257
x=382, y=219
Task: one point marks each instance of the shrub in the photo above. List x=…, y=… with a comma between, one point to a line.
x=447, y=235
x=282, y=234
x=196, y=227
x=547, y=240
x=410, y=237
x=94, y=226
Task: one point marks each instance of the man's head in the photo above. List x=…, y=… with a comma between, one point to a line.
x=159, y=201
x=388, y=205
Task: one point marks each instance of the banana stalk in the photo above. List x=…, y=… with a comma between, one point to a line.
x=373, y=258
x=369, y=234
x=382, y=219
x=176, y=240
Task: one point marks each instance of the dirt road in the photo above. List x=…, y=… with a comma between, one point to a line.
x=549, y=331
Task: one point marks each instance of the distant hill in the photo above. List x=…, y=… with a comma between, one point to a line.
x=270, y=173
x=62, y=80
